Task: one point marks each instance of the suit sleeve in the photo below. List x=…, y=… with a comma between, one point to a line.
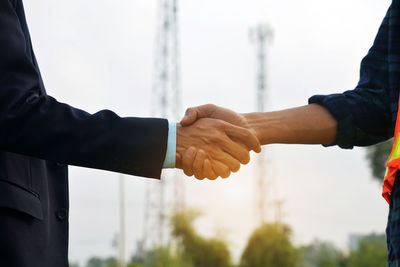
x=365, y=114
x=35, y=124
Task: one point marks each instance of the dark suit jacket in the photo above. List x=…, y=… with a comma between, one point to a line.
x=39, y=137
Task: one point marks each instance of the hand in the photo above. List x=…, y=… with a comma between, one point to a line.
x=201, y=165
x=190, y=162
x=215, y=112
x=212, y=147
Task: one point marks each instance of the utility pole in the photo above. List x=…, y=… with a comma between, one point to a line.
x=121, y=236
x=166, y=103
x=261, y=35
x=279, y=211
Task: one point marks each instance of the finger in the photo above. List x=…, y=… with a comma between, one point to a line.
x=193, y=114
x=201, y=156
x=208, y=170
x=245, y=136
x=220, y=169
x=190, y=117
x=236, y=150
x=225, y=158
x=188, y=159
x=178, y=161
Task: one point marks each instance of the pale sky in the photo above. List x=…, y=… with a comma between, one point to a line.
x=97, y=54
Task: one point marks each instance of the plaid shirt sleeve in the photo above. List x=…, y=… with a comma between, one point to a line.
x=367, y=114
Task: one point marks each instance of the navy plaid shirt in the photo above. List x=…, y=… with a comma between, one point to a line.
x=367, y=114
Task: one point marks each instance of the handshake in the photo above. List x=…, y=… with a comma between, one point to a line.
x=214, y=141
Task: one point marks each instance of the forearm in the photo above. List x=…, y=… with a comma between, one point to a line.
x=47, y=129
x=311, y=124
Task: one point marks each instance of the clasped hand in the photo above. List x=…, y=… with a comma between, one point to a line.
x=213, y=141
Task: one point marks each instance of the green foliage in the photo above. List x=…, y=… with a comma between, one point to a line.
x=199, y=251
x=95, y=262
x=193, y=250
x=377, y=157
x=99, y=262
x=270, y=246
x=73, y=264
x=322, y=254
x=371, y=252
x=160, y=257
x=110, y=262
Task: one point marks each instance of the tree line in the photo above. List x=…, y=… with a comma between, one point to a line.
x=270, y=245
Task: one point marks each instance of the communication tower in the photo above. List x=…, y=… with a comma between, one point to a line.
x=261, y=36
x=166, y=195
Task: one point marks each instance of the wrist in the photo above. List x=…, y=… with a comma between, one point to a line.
x=262, y=124
x=181, y=142
x=253, y=120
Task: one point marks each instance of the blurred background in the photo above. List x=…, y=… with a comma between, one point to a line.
x=321, y=205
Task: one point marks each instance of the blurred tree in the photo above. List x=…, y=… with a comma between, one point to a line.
x=322, y=254
x=377, y=157
x=99, y=262
x=111, y=262
x=371, y=252
x=199, y=251
x=160, y=257
x=270, y=246
x=95, y=262
x=73, y=265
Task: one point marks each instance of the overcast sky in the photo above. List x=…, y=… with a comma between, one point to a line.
x=97, y=54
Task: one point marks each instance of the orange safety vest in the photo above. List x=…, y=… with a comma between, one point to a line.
x=393, y=164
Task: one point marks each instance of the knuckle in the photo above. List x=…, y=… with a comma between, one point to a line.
x=218, y=138
x=210, y=106
x=201, y=155
x=187, y=159
x=247, y=134
x=252, y=143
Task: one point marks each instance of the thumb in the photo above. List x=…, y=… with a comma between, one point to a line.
x=190, y=117
x=193, y=114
